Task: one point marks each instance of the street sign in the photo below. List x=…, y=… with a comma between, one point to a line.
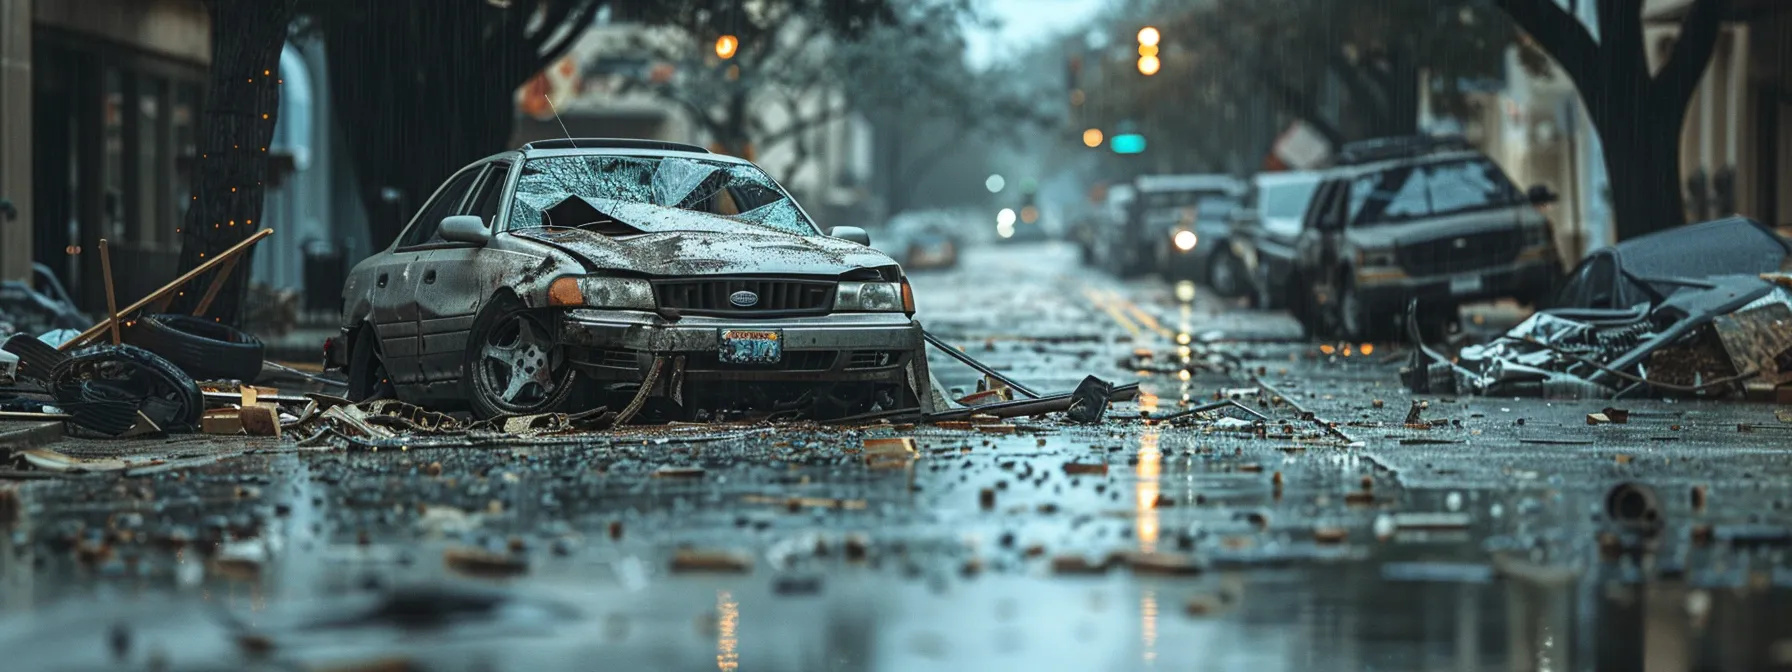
x=1127, y=143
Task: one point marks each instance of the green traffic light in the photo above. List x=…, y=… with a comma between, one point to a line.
x=1128, y=143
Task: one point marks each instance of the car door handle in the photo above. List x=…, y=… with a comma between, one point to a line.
x=382, y=280
x=429, y=277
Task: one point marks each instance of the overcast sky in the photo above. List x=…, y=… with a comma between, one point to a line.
x=1024, y=22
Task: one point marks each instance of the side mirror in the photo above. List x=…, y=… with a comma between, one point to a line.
x=1540, y=195
x=465, y=229
x=852, y=233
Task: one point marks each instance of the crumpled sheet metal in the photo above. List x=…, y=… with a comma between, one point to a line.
x=393, y=423
x=1553, y=356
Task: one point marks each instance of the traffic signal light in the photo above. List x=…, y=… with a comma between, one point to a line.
x=1127, y=143
x=1148, y=62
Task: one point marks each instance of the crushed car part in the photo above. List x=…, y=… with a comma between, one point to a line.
x=36, y=358
x=972, y=362
x=205, y=349
x=107, y=377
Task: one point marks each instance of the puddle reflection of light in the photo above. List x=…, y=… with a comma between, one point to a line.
x=1146, y=490
x=727, y=659
x=1148, y=625
x=1185, y=291
x=1147, y=402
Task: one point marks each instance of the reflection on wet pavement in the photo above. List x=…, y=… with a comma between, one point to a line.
x=1475, y=542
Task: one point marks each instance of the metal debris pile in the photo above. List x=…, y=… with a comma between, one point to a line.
x=1703, y=310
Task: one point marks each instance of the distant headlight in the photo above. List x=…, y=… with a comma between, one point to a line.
x=869, y=297
x=1185, y=240
x=593, y=291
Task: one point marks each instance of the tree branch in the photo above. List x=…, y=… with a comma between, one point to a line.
x=1566, y=40
x=800, y=125
x=547, y=52
x=1680, y=76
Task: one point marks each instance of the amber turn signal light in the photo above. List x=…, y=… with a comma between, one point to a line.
x=565, y=292
x=908, y=298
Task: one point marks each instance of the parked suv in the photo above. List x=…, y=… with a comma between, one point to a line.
x=1417, y=218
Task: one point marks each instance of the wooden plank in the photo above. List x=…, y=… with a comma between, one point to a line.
x=111, y=294
x=168, y=289
x=211, y=292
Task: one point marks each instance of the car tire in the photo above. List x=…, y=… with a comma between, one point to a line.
x=1355, y=321
x=204, y=349
x=1225, y=275
x=367, y=377
x=510, y=340
x=91, y=375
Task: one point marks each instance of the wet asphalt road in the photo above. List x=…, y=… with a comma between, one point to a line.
x=1480, y=543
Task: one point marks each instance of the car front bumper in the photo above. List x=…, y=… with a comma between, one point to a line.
x=620, y=346
x=1525, y=279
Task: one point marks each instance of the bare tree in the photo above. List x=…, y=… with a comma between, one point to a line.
x=1638, y=113
x=424, y=88
x=241, y=107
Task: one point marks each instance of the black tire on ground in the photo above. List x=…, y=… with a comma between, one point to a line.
x=36, y=358
x=166, y=394
x=367, y=378
x=501, y=323
x=206, y=350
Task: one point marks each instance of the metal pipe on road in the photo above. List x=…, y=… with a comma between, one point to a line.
x=935, y=341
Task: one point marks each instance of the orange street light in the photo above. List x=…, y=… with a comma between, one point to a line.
x=1092, y=138
x=1147, y=50
x=1148, y=65
x=726, y=45
x=1149, y=36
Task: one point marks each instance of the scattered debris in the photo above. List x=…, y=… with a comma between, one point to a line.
x=1692, y=310
x=686, y=560
x=483, y=563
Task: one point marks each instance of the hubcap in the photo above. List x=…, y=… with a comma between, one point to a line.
x=1352, y=319
x=518, y=362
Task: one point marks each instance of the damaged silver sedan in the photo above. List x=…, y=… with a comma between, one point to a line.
x=573, y=274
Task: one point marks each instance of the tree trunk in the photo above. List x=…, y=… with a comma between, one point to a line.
x=1644, y=170
x=241, y=106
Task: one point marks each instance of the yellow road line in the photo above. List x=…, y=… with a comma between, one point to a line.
x=1146, y=319
x=1107, y=307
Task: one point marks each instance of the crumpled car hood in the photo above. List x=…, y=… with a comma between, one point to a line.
x=681, y=253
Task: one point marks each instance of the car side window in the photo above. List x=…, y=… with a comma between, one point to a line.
x=485, y=205
x=446, y=202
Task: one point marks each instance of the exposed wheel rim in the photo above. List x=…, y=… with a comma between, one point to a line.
x=1351, y=319
x=520, y=365
x=1224, y=280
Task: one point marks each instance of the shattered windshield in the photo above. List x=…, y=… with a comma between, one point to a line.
x=732, y=192
x=1406, y=193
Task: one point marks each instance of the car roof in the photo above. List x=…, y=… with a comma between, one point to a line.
x=1436, y=157
x=619, y=147
x=1211, y=182
x=1287, y=177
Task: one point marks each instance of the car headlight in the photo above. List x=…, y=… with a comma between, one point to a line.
x=873, y=297
x=1367, y=258
x=1185, y=240
x=596, y=291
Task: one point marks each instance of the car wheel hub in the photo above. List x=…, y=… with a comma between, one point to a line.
x=519, y=362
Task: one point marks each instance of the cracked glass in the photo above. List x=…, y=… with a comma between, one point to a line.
x=727, y=192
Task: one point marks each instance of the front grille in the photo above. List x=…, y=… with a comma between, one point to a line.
x=775, y=297
x=1454, y=254
x=873, y=359
x=793, y=360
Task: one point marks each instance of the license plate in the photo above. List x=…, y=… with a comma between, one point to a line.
x=741, y=346
x=1465, y=285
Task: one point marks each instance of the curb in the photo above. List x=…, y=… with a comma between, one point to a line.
x=17, y=435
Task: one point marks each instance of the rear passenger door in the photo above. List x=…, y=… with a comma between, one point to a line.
x=456, y=283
